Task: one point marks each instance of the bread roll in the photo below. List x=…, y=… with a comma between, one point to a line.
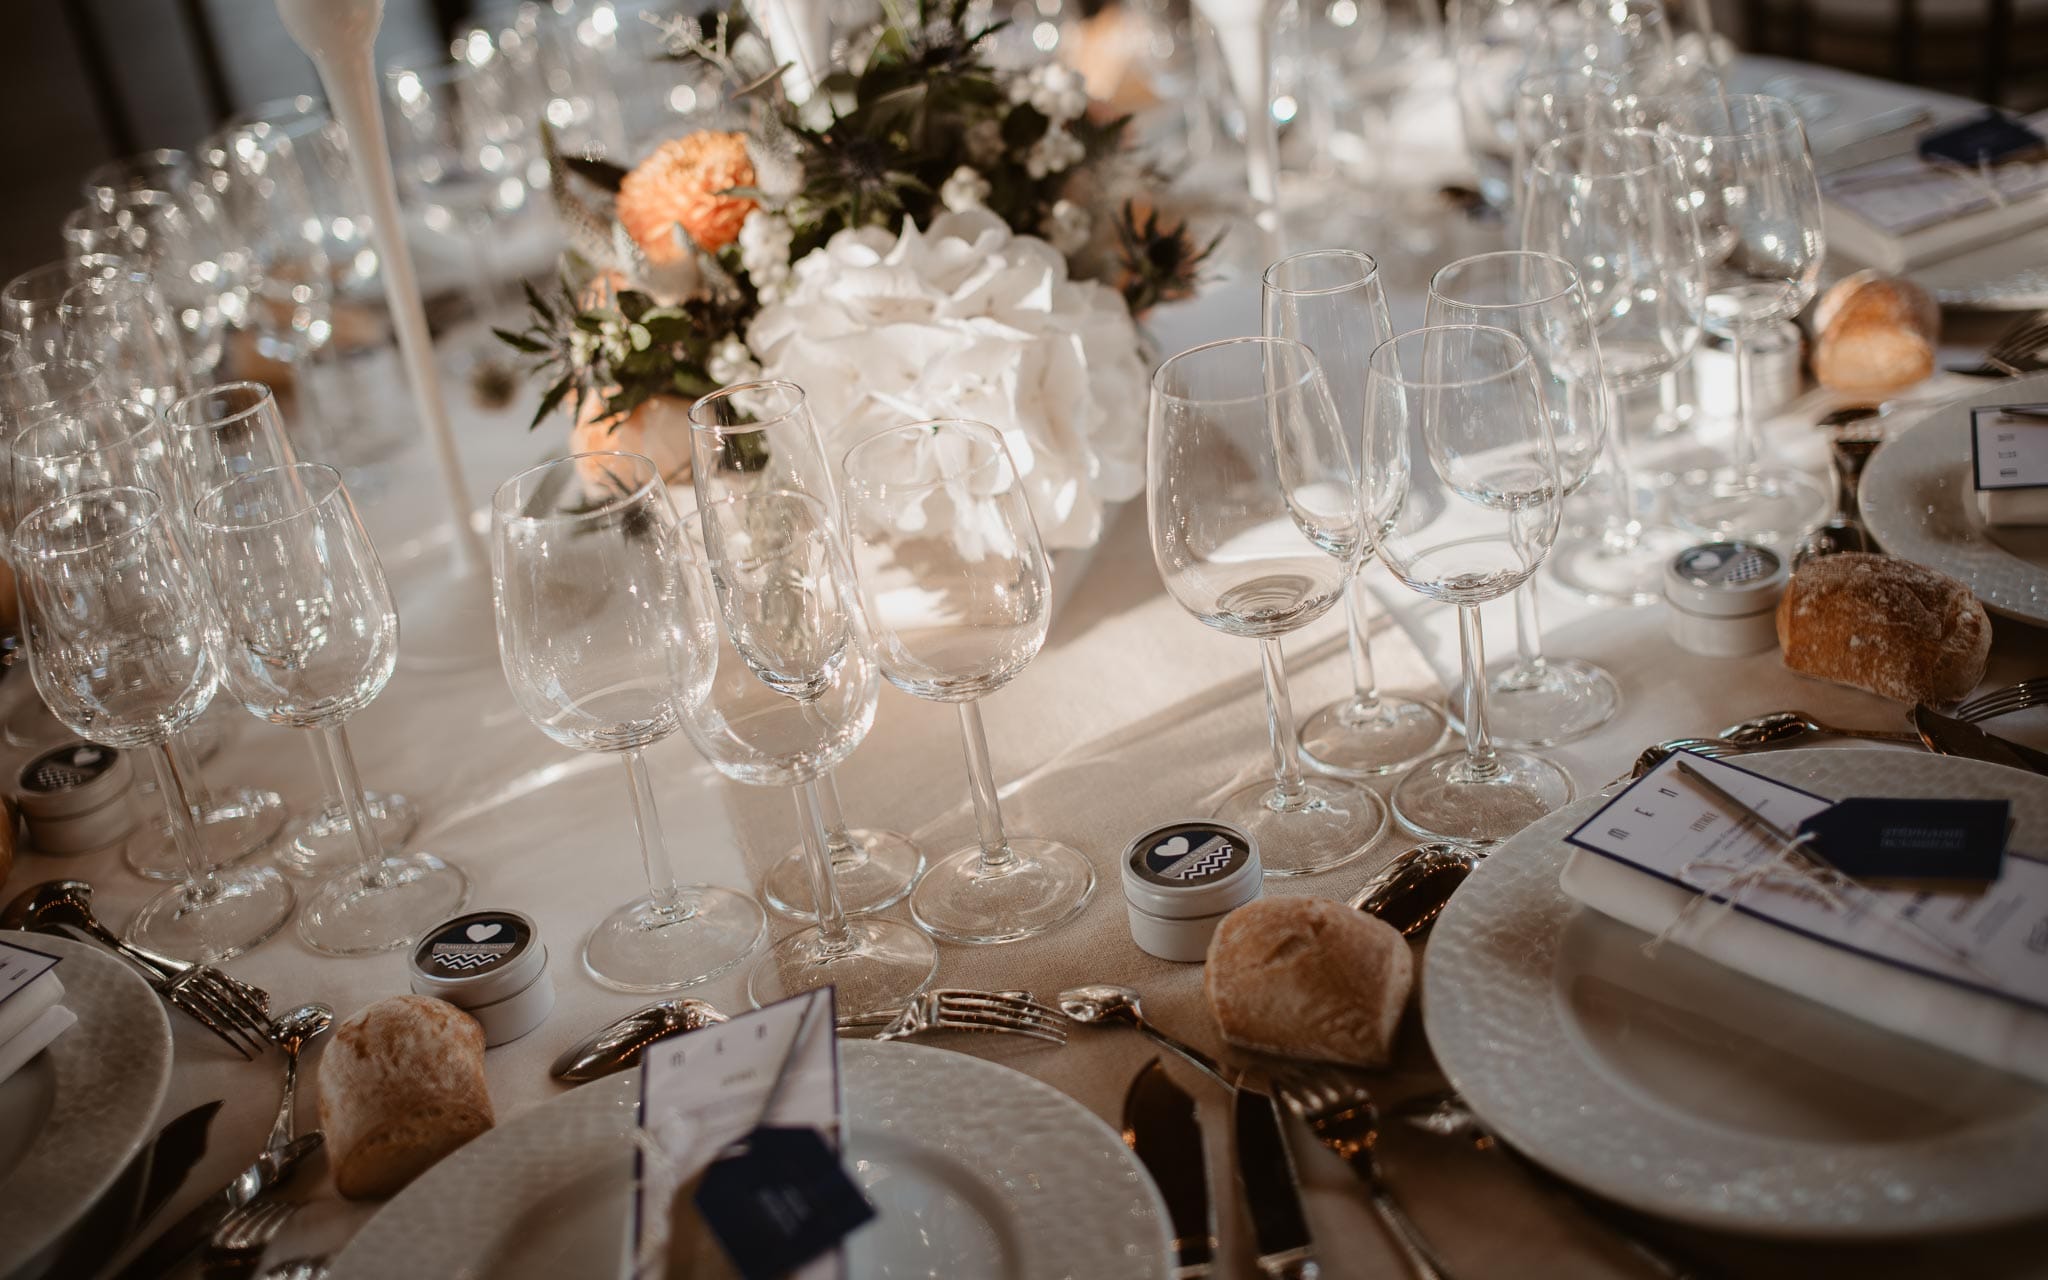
x=1892, y=627
x=1876, y=335
x=401, y=1085
x=1309, y=978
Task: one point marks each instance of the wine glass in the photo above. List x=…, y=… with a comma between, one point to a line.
x=1491, y=42
x=1473, y=393
x=747, y=438
x=1748, y=174
x=1253, y=499
x=1539, y=701
x=1608, y=201
x=1244, y=31
x=122, y=324
x=30, y=309
x=589, y=594
x=1330, y=301
x=1550, y=104
x=781, y=689
x=118, y=625
x=218, y=433
x=308, y=639
x=156, y=233
x=956, y=586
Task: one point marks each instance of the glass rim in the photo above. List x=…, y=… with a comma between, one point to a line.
x=1390, y=347
x=148, y=501
x=177, y=419
x=18, y=373
x=988, y=433
x=1572, y=280
x=1311, y=369
x=123, y=407
x=36, y=275
x=501, y=510
x=1566, y=74
x=1774, y=117
x=129, y=282
x=728, y=393
x=164, y=158
x=327, y=478
x=1660, y=143
x=1372, y=272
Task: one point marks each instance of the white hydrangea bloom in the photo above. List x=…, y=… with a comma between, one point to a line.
x=1067, y=227
x=765, y=239
x=1056, y=152
x=732, y=361
x=1054, y=90
x=964, y=189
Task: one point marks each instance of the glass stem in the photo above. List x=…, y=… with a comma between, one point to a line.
x=1528, y=631
x=171, y=784
x=323, y=768
x=1288, y=789
x=981, y=778
x=845, y=853
x=810, y=821
x=1746, y=451
x=661, y=877
x=1365, y=685
x=1625, y=529
x=1480, y=761
x=349, y=785
x=196, y=792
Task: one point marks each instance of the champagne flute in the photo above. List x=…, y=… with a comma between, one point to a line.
x=309, y=638
x=748, y=438
x=955, y=584
x=1330, y=300
x=1253, y=499
x=118, y=625
x=1472, y=393
x=588, y=596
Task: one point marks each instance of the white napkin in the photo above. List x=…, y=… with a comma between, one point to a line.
x=34, y=1038
x=1991, y=1030
x=26, y=1005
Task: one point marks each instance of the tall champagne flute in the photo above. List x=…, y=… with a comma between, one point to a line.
x=309, y=638
x=119, y=627
x=1609, y=202
x=1749, y=175
x=748, y=438
x=218, y=433
x=1472, y=392
x=1538, y=701
x=781, y=689
x=1330, y=301
x=589, y=591
x=1252, y=494
x=1244, y=31
x=956, y=586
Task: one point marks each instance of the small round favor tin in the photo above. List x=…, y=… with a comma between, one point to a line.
x=491, y=965
x=1181, y=879
x=1723, y=598
x=74, y=798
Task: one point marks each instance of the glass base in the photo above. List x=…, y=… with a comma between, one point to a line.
x=1044, y=885
x=1353, y=740
x=877, y=873
x=1555, y=702
x=1335, y=822
x=882, y=966
x=1773, y=505
x=28, y=724
x=324, y=843
x=240, y=823
x=1440, y=799
x=1611, y=571
x=347, y=916
x=641, y=948
x=244, y=908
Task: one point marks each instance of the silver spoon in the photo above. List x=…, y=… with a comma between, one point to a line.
x=1844, y=530
x=1103, y=1003
x=1409, y=892
x=618, y=1045
x=1784, y=726
x=42, y=908
x=293, y=1031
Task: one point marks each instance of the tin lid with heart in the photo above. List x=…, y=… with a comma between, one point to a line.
x=478, y=957
x=1189, y=869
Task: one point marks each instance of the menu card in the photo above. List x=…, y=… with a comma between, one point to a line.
x=20, y=967
x=2007, y=451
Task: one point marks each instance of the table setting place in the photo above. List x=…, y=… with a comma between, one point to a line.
x=956, y=389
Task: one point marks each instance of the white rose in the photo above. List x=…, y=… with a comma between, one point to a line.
x=964, y=189
x=731, y=362
x=1056, y=152
x=967, y=320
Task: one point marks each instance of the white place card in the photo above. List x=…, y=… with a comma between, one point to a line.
x=19, y=966
x=2009, y=452
x=1666, y=824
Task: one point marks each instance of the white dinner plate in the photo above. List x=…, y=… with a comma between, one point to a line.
x=976, y=1171
x=1690, y=1091
x=1919, y=503
x=71, y=1119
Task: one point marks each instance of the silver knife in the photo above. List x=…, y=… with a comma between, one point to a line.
x=155, y=1172
x=1265, y=1176
x=1953, y=737
x=181, y=1238
x=1160, y=1124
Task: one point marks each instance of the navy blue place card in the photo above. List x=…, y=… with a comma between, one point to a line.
x=1880, y=838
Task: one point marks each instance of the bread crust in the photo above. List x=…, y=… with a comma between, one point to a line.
x=1309, y=978
x=401, y=1086
x=1876, y=334
x=1885, y=625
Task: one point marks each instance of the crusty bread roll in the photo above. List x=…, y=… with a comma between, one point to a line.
x=1876, y=335
x=1895, y=628
x=401, y=1085
x=1309, y=978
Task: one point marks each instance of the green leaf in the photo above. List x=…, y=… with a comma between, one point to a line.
x=601, y=173
x=521, y=342
x=554, y=396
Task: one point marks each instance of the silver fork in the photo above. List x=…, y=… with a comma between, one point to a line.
x=238, y=1242
x=1338, y=1109
x=2018, y=697
x=952, y=1009
x=2021, y=349
x=231, y=1009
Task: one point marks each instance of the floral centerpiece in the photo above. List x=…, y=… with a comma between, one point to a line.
x=926, y=236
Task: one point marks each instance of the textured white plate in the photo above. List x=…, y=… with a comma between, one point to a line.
x=79, y=1111
x=1918, y=502
x=977, y=1170
x=1690, y=1091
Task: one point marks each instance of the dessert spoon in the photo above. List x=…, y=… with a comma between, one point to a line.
x=1106, y=1004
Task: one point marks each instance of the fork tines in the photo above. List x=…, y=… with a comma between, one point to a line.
x=954, y=1009
x=229, y=1009
x=2018, y=697
x=243, y=1235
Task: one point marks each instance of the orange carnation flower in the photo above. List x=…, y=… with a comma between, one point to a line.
x=680, y=184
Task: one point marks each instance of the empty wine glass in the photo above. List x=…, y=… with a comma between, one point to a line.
x=1330, y=301
x=156, y=233
x=782, y=689
x=748, y=438
x=1749, y=176
x=1538, y=701
x=1253, y=498
x=30, y=309
x=1550, y=104
x=956, y=586
x=589, y=594
x=1491, y=43
x=1472, y=392
x=216, y=434
x=308, y=639
x=118, y=625
x=123, y=326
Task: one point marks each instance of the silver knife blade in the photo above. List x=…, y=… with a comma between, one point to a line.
x=1160, y=1124
x=177, y=1242
x=1265, y=1176
x=1953, y=737
x=156, y=1171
